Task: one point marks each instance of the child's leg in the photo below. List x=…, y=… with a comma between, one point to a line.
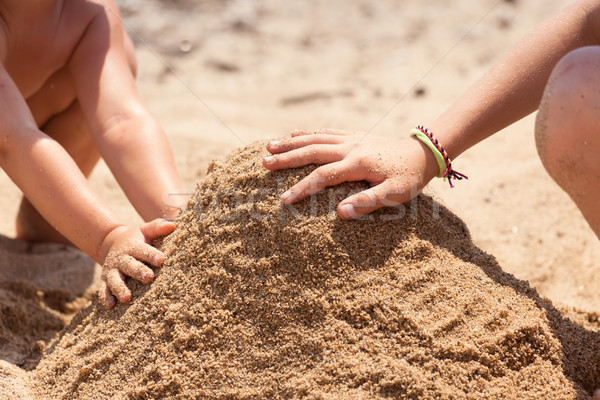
x=70, y=130
x=568, y=130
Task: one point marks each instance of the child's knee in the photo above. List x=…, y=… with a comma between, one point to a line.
x=568, y=122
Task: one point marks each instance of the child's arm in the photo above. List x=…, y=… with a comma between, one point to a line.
x=399, y=169
x=53, y=183
x=127, y=135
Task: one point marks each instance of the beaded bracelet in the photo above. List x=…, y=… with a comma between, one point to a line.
x=444, y=162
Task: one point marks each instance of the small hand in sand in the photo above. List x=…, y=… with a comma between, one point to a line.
x=397, y=169
x=125, y=250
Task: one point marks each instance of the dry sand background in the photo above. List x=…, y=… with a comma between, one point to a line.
x=221, y=74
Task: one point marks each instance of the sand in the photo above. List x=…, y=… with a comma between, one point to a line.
x=41, y=288
x=220, y=74
x=258, y=300
x=37, y=299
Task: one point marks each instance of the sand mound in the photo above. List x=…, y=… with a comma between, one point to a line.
x=263, y=301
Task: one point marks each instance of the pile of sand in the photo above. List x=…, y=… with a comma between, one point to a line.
x=260, y=301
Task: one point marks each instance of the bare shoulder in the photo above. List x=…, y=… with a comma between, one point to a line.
x=105, y=9
x=61, y=25
x=102, y=17
x=95, y=13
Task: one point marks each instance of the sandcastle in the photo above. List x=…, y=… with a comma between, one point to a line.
x=259, y=300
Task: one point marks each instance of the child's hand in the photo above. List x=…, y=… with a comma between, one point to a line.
x=125, y=250
x=396, y=169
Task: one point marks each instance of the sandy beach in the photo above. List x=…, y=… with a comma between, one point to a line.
x=220, y=75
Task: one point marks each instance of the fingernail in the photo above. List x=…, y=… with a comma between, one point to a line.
x=347, y=211
x=158, y=260
x=269, y=159
x=286, y=196
x=274, y=142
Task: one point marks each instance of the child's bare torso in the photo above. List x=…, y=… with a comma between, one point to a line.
x=37, y=40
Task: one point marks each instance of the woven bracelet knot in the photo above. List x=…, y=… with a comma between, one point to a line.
x=444, y=162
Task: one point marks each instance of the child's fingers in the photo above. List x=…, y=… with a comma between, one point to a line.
x=157, y=228
x=312, y=154
x=106, y=297
x=115, y=280
x=282, y=146
x=130, y=266
x=147, y=254
x=322, y=177
x=370, y=200
x=339, y=132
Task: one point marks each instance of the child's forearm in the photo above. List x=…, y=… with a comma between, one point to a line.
x=54, y=185
x=138, y=153
x=513, y=88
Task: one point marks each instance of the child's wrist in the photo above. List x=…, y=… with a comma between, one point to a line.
x=443, y=161
x=107, y=242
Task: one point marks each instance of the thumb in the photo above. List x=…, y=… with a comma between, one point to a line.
x=382, y=195
x=157, y=228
